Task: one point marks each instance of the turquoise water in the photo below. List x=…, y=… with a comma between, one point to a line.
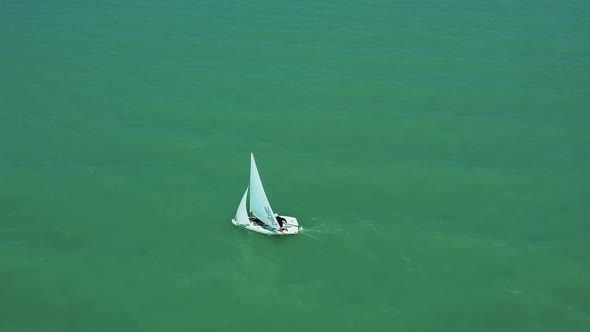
x=437, y=154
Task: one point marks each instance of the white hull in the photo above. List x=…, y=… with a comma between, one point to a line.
x=290, y=227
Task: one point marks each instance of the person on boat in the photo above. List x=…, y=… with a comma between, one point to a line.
x=257, y=221
x=280, y=220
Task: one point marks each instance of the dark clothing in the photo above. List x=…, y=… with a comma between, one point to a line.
x=257, y=221
x=281, y=220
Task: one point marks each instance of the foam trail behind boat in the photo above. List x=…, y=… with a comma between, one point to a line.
x=302, y=232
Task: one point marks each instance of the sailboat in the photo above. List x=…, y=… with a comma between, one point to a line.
x=261, y=217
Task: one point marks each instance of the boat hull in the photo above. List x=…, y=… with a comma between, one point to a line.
x=290, y=227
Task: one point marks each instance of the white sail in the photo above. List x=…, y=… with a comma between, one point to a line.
x=242, y=213
x=259, y=204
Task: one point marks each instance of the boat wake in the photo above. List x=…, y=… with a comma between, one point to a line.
x=319, y=229
x=309, y=235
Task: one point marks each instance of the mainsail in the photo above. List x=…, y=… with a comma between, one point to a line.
x=242, y=213
x=259, y=204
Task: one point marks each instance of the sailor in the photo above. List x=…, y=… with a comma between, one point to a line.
x=281, y=220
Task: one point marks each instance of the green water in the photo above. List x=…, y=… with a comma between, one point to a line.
x=437, y=154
